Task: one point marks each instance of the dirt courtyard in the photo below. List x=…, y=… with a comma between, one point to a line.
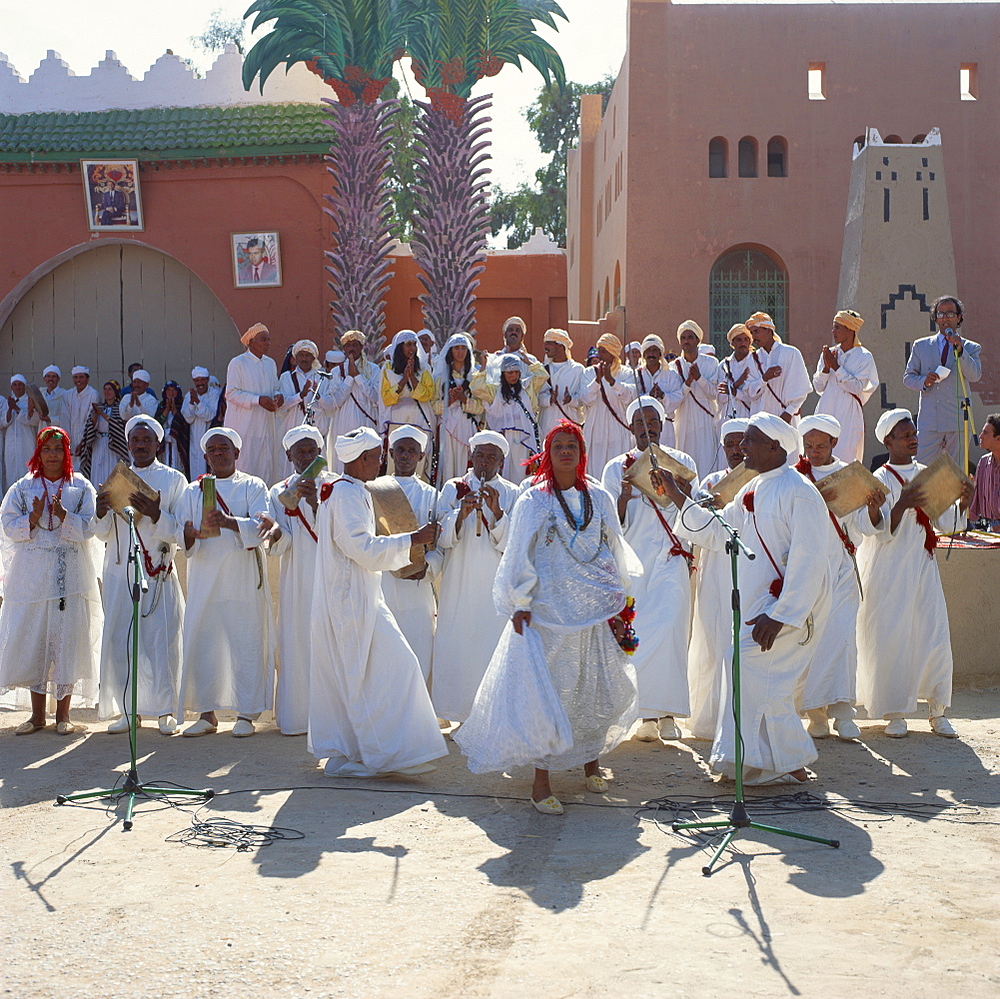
x=451, y=885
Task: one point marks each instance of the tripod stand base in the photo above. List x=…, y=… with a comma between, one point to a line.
x=740, y=819
x=130, y=789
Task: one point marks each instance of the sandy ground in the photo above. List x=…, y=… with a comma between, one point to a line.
x=450, y=885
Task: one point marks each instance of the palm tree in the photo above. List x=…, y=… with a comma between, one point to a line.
x=351, y=45
x=452, y=45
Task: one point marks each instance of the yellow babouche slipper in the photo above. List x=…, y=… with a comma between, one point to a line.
x=596, y=784
x=548, y=806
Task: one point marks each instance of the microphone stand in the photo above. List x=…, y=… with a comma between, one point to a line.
x=132, y=786
x=738, y=818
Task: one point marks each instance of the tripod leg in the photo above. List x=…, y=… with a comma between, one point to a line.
x=726, y=840
x=835, y=843
x=129, y=806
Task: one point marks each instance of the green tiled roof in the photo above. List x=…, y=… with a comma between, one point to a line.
x=165, y=133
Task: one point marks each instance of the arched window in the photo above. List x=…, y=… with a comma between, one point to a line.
x=917, y=139
x=892, y=140
x=747, y=156
x=607, y=297
x=718, y=157
x=743, y=281
x=597, y=307
x=777, y=157
x=859, y=142
x=618, y=284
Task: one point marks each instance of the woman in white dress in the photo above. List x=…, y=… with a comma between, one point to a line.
x=512, y=410
x=458, y=410
x=51, y=619
x=559, y=690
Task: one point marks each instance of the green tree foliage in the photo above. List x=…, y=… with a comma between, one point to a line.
x=219, y=32
x=554, y=118
x=402, y=175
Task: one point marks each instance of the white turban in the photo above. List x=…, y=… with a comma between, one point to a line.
x=409, y=432
x=820, y=421
x=144, y=421
x=350, y=447
x=142, y=374
x=652, y=341
x=336, y=356
x=775, y=428
x=634, y=345
x=305, y=345
x=887, y=422
x=52, y=369
x=303, y=432
x=646, y=401
x=18, y=378
x=199, y=372
x=732, y=427
x=490, y=437
x=690, y=324
x=707, y=348
x=80, y=370
x=231, y=435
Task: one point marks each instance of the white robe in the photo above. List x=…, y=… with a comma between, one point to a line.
x=349, y=402
x=662, y=598
x=80, y=406
x=787, y=392
x=368, y=700
x=563, y=375
x=228, y=660
x=50, y=620
x=513, y=421
x=292, y=414
x=739, y=403
x=58, y=402
x=199, y=415
x=161, y=608
x=457, y=421
x=794, y=527
x=468, y=625
x=297, y=550
x=19, y=439
x=411, y=601
x=247, y=379
x=606, y=431
x=147, y=405
x=696, y=420
x=843, y=394
x=904, y=641
x=671, y=384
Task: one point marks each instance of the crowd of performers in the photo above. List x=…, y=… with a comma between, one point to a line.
x=551, y=611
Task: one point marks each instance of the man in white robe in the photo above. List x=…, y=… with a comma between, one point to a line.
x=695, y=421
x=904, y=641
x=199, y=408
x=475, y=518
x=782, y=369
x=656, y=378
x=559, y=398
x=607, y=392
x=55, y=398
x=137, y=401
x=785, y=601
x=162, y=606
x=846, y=377
x=350, y=398
x=663, y=593
x=228, y=662
x=296, y=389
x=710, y=639
x=828, y=690
x=80, y=403
x=253, y=396
x=369, y=710
x=411, y=600
x=740, y=384
x=294, y=541
x=21, y=424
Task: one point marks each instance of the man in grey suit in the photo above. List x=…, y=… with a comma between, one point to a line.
x=938, y=415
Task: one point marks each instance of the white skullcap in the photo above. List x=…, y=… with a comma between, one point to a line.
x=18, y=378
x=732, y=427
x=634, y=345
x=144, y=421
x=52, y=369
x=403, y=336
x=336, y=356
x=652, y=341
x=887, y=422
x=409, y=432
x=231, y=435
x=820, y=421
x=142, y=374
x=775, y=428
x=690, y=324
x=706, y=348
x=79, y=369
x=490, y=437
x=305, y=345
x=646, y=401
x=352, y=446
x=303, y=432
x=199, y=372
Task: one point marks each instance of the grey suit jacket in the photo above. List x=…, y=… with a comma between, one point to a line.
x=938, y=409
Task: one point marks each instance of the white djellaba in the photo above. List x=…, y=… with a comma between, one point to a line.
x=563, y=693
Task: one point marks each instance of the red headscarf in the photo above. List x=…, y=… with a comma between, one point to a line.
x=44, y=435
x=545, y=473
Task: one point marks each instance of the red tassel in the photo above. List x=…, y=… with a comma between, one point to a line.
x=748, y=500
x=775, y=588
x=324, y=491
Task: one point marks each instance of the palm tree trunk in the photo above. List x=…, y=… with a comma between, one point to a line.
x=361, y=209
x=451, y=222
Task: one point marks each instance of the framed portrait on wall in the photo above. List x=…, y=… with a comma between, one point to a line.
x=256, y=260
x=111, y=192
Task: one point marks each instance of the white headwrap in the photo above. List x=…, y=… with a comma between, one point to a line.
x=652, y=341
x=775, y=428
x=820, y=421
x=441, y=372
x=490, y=437
x=142, y=374
x=737, y=426
x=144, y=421
x=199, y=372
x=634, y=345
x=690, y=324
x=79, y=369
x=511, y=362
x=351, y=446
x=647, y=402
x=231, y=435
x=556, y=335
x=408, y=432
x=404, y=336
x=305, y=345
x=336, y=356
x=303, y=432
x=18, y=378
x=887, y=422
x=52, y=369
x=707, y=348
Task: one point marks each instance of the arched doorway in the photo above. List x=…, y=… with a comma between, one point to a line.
x=745, y=280
x=108, y=304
